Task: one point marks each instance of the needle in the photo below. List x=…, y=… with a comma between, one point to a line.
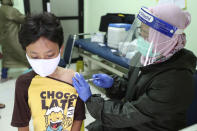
x=91, y=79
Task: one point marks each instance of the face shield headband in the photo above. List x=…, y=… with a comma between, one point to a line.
x=161, y=26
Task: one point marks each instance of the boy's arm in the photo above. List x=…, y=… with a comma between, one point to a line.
x=76, y=125
x=23, y=128
x=80, y=106
x=21, y=112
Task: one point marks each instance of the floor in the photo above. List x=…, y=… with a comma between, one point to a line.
x=7, y=97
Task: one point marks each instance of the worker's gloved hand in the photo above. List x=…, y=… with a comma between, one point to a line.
x=103, y=80
x=82, y=87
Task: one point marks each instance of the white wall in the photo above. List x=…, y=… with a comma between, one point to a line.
x=191, y=31
x=94, y=9
x=19, y=5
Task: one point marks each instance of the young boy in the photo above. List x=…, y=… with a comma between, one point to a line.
x=46, y=94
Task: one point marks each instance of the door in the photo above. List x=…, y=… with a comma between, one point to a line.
x=70, y=12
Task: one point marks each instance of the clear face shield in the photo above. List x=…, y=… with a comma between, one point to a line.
x=143, y=43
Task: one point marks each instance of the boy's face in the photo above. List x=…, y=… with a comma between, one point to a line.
x=42, y=49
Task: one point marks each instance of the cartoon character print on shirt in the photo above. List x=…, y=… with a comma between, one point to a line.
x=54, y=119
x=59, y=110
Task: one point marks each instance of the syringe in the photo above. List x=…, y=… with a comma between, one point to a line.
x=91, y=79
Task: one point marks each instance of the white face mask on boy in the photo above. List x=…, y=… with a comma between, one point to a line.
x=44, y=67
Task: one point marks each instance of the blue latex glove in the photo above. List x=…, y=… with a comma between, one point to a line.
x=82, y=87
x=103, y=80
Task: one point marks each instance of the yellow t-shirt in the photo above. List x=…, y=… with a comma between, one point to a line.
x=51, y=104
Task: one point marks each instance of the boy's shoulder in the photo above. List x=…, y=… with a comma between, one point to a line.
x=26, y=76
x=66, y=75
x=69, y=72
x=25, y=79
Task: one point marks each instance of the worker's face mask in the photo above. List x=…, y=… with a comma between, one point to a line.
x=44, y=67
x=147, y=31
x=144, y=47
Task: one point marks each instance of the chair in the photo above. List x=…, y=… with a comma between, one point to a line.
x=66, y=60
x=192, y=111
x=67, y=56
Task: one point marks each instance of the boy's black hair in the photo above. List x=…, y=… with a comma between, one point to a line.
x=41, y=25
